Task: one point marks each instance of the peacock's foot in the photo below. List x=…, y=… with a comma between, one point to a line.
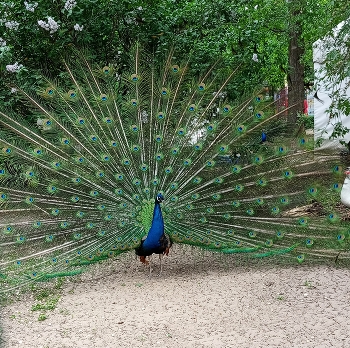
x=143, y=260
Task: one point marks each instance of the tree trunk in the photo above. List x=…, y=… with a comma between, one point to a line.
x=295, y=78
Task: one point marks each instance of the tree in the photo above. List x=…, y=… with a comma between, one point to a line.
x=211, y=29
x=309, y=21
x=268, y=40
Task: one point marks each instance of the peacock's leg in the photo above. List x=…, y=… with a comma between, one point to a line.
x=150, y=265
x=161, y=263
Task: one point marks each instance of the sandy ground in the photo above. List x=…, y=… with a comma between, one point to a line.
x=200, y=300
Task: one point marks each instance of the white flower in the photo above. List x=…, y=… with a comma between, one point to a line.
x=77, y=27
x=14, y=67
x=70, y=4
x=7, y=4
x=51, y=25
x=255, y=57
x=13, y=90
x=4, y=15
x=12, y=25
x=129, y=20
x=30, y=7
x=140, y=8
x=2, y=42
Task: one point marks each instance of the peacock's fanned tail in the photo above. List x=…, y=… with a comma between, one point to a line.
x=79, y=174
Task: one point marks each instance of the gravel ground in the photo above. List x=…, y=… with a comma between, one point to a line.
x=200, y=300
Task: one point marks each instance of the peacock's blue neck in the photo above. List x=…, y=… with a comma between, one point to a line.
x=157, y=229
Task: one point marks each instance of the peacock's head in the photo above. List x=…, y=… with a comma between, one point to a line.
x=159, y=198
x=347, y=172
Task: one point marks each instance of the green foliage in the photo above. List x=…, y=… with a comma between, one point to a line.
x=109, y=28
x=42, y=317
x=306, y=121
x=212, y=29
x=335, y=73
x=236, y=32
x=43, y=294
x=47, y=301
x=49, y=304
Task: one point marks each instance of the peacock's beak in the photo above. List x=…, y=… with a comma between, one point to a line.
x=160, y=198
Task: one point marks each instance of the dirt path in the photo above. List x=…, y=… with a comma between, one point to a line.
x=200, y=300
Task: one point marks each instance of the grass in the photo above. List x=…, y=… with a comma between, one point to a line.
x=47, y=300
x=42, y=317
x=64, y=311
x=49, y=304
x=309, y=285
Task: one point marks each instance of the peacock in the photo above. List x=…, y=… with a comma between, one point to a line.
x=156, y=241
x=110, y=159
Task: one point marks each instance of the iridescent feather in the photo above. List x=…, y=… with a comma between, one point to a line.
x=78, y=178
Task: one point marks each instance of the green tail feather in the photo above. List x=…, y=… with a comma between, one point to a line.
x=79, y=174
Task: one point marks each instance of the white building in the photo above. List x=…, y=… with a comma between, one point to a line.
x=324, y=126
